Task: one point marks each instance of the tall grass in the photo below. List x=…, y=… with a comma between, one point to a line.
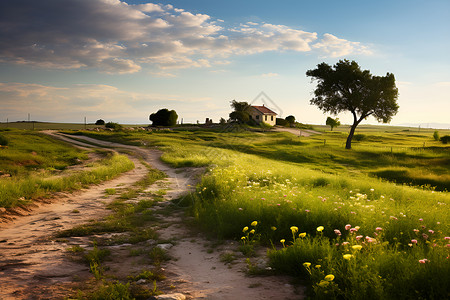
x=15, y=191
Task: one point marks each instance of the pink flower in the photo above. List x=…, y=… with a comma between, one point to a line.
x=359, y=237
x=447, y=238
x=423, y=261
x=416, y=230
x=338, y=232
x=307, y=210
x=378, y=229
x=348, y=226
x=425, y=236
x=420, y=219
x=414, y=241
x=431, y=231
x=353, y=230
x=393, y=218
x=345, y=243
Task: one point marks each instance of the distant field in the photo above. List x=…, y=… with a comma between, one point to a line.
x=55, y=126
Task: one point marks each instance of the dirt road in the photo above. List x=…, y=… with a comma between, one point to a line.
x=295, y=131
x=35, y=265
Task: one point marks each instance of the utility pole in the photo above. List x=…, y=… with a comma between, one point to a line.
x=84, y=123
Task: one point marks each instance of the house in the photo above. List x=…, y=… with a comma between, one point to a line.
x=262, y=114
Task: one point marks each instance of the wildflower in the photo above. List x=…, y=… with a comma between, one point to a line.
x=372, y=190
x=431, y=231
x=410, y=244
x=252, y=231
x=357, y=228
x=320, y=228
x=337, y=232
x=307, y=210
x=240, y=208
x=273, y=228
x=447, y=238
x=416, y=230
x=306, y=264
x=425, y=236
x=329, y=277
x=414, y=241
x=347, y=256
x=323, y=283
x=348, y=226
x=378, y=229
x=302, y=235
x=393, y=218
x=353, y=230
x=357, y=247
x=245, y=229
x=358, y=237
x=254, y=223
x=243, y=238
x=420, y=219
x=345, y=243
x=294, y=229
x=423, y=261
x=317, y=266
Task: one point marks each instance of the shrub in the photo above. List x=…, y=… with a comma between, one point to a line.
x=100, y=122
x=114, y=126
x=436, y=135
x=445, y=139
x=3, y=140
x=359, y=137
x=282, y=122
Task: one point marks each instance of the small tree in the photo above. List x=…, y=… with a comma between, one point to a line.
x=345, y=87
x=164, y=117
x=3, y=140
x=332, y=122
x=100, y=122
x=240, y=112
x=290, y=119
x=114, y=126
x=436, y=135
x=222, y=121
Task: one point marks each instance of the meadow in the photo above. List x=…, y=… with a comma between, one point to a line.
x=34, y=165
x=369, y=223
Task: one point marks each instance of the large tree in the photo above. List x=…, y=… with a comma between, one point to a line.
x=345, y=87
x=164, y=117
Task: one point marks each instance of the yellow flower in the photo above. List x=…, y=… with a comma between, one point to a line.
x=302, y=235
x=273, y=228
x=245, y=229
x=294, y=229
x=329, y=277
x=356, y=247
x=252, y=231
x=317, y=266
x=282, y=241
x=320, y=228
x=306, y=264
x=323, y=283
x=243, y=238
x=347, y=256
x=254, y=223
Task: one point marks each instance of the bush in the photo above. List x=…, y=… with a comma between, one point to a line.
x=100, y=122
x=3, y=140
x=359, y=137
x=282, y=122
x=115, y=126
x=164, y=117
x=436, y=135
x=445, y=139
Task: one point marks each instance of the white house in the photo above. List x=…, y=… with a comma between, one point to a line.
x=263, y=114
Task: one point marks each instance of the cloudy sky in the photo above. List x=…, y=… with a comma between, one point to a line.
x=62, y=61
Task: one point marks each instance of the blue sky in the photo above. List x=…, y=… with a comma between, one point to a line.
x=120, y=61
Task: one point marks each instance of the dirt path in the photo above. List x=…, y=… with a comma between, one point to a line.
x=33, y=265
x=295, y=131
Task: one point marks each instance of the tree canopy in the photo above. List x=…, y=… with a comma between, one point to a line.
x=164, y=117
x=345, y=87
x=332, y=122
x=240, y=111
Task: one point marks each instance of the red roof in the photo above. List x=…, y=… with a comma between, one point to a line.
x=264, y=110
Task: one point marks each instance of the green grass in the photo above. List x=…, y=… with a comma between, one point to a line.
x=387, y=189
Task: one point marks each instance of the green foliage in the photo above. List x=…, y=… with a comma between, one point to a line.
x=445, y=139
x=345, y=87
x=281, y=122
x=436, y=135
x=164, y=117
x=290, y=119
x=332, y=122
x=3, y=140
x=114, y=126
x=240, y=112
x=100, y=122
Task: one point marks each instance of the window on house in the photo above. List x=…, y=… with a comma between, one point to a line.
x=271, y=118
x=266, y=118
x=257, y=117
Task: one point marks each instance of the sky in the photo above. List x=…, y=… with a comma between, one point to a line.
x=120, y=61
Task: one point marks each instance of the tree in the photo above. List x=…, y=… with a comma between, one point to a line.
x=345, y=87
x=332, y=122
x=100, y=122
x=290, y=119
x=164, y=117
x=114, y=126
x=240, y=112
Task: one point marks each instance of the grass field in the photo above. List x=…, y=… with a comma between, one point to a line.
x=369, y=223
x=34, y=165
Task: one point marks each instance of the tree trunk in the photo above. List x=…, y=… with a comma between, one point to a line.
x=348, y=145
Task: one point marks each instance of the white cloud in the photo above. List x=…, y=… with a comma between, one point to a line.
x=332, y=46
x=115, y=37
x=442, y=84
